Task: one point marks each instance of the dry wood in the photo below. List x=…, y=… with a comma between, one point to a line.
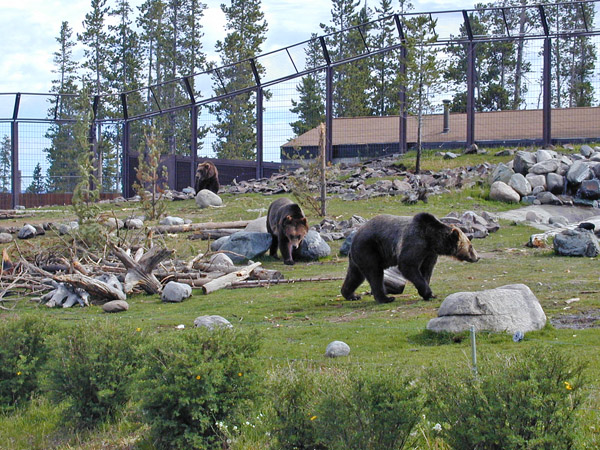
x=266, y=283
x=199, y=226
x=227, y=280
x=92, y=286
x=140, y=273
x=214, y=234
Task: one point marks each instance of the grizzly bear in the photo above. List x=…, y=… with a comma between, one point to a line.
x=288, y=226
x=207, y=177
x=410, y=243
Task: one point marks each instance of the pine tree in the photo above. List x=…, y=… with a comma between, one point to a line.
x=310, y=107
x=236, y=127
x=37, y=181
x=61, y=154
x=5, y=164
x=96, y=45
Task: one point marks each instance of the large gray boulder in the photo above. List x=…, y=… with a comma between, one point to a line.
x=578, y=242
x=504, y=193
x=578, y=172
x=5, y=238
x=509, y=308
x=28, y=231
x=536, y=180
x=589, y=189
x=336, y=349
x=245, y=245
x=175, y=292
x=170, y=220
x=555, y=183
x=520, y=184
x=313, y=247
x=212, y=322
x=257, y=225
x=544, y=167
x=345, y=248
x=206, y=198
x=501, y=173
x=523, y=162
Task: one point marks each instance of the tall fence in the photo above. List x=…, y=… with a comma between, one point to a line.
x=455, y=113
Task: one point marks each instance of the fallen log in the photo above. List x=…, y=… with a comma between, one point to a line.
x=214, y=234
x=139, y=273
x=393, y=281
x=259, y=273
x=186, y=228
x=267, y=283
x=96, y=288
x=227, y=280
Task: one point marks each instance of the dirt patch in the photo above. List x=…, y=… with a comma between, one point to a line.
x=588, y=319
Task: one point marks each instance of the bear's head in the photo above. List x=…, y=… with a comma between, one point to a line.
x=463, y=249
x=205, y=170
x=295, y=229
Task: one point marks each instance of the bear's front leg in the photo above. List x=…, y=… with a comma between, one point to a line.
x=285, y=247
x=375, y=279
x=412, y=274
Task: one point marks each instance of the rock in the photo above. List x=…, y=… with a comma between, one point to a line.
x=134, y=224
x=175, y=292
x=504, y=193
x=450, y=155
x=532, y=216
x=257, y=225
x=115, y=306
x=27, y=232
x=578, y=242
x=520, y=184
x=206, y=198
x=212, y=322
x=66, y=228
x=578, y=172
x=523, y=161
x=345, y=248
x=245, y=245
x=555, y=183
x=536, y=180
x=501, y=173
x=216, y=245
x=586, y=150
x=538, y=190
x=595, y=157
x=111, y=280
x=543, y=155
x=548, y=198
x=560, y=221
x=505, y=153
x=509, y=308
x=336, y=349
x=169, y=220
x=113, y=223
x=471, y=150
x=221, y=259
x=589, y=189
x=313, y=247
x=5, y=238
x=544, y=167
x=401, y=186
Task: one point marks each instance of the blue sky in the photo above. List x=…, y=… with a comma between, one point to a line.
x=29, y=29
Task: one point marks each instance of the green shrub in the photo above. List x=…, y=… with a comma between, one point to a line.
x=92, y=368
x=194, y=381
x=517, y=402
x=23, y=352
x=361, y=409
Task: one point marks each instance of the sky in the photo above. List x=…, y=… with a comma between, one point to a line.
x=29, y=29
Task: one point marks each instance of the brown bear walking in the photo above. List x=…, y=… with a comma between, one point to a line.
x=288, y=226
x=207, y=177
x=410, y=243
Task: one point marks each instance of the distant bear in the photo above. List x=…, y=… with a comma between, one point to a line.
x=410, y=243
x=288, y=226
x=207, y=177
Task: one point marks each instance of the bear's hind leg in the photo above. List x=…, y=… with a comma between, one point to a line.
x=354, y=278
x=375, y=278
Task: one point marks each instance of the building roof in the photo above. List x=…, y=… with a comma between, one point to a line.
x=495, y=126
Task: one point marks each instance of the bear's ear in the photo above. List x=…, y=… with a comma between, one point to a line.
x=304, y=222
x=455, y=234
x=287, y=219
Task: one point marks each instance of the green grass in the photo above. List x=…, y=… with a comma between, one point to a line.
x=297, y=321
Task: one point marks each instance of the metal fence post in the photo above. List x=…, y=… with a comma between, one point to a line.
x=125, y=162
x=194, y=143
x=259, y=133
x=547, y=94
x=470, y=93
x=329, y=113
x=15, y=184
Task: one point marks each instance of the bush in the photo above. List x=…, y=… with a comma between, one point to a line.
x=517, y=402
x=92, y=368
x=339, y=410
x=22, y=355
x=192, y=382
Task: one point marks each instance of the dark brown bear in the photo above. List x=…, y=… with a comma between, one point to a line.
x=410, y=243
x=288, y=226
x=207, y=177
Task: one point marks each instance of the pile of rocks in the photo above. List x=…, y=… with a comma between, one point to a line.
x=549, y=178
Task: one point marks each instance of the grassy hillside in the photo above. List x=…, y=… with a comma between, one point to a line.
x=297, y=321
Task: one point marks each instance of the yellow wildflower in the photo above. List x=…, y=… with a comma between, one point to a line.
x=138, y=329
x=18, y=373
x=239, y=374
x=568, y=386
x=198, y=377
x=313, y=418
